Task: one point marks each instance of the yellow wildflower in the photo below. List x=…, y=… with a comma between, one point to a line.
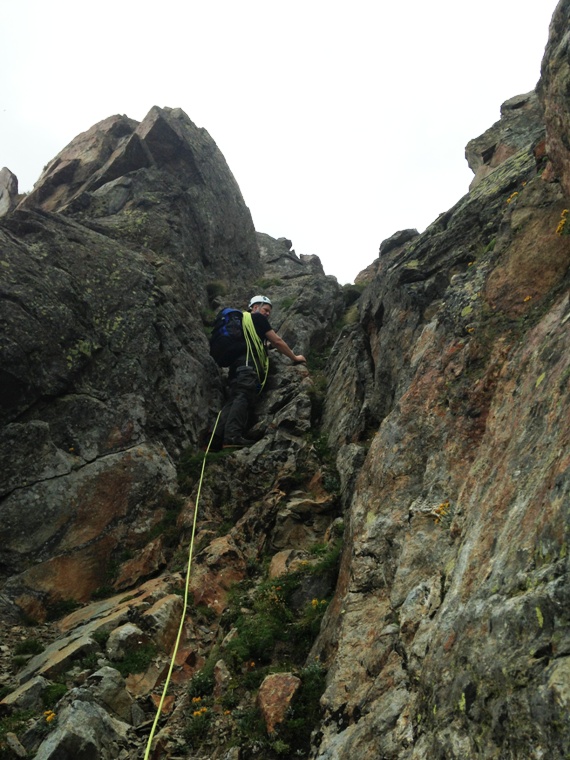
x=440, y=511
x=562, y=223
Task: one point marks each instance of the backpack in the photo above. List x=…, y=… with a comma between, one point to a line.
x=227, y=341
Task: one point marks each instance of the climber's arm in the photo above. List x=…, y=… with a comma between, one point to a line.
x=282, y=347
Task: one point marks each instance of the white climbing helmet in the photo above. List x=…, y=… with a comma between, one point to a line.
x=259, y=299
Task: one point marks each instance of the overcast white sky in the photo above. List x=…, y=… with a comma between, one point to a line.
x=342, y=122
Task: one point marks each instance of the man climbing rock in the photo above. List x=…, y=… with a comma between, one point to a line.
x=244, y=352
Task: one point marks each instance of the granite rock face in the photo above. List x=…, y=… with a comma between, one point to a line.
x=448, y=636
x=553, y=90
x=429, y=436
x=8, y=191
x=104, y=363
x=162, y=185
x=521, y=126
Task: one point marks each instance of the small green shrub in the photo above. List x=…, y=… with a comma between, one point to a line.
x=307, y=627
x=202, y=683
x=286, y=303
x=269, y=282
x=13, y=723
x=101, y=637
x=103, y=592
x=317, y=396
x=215, y=289
x=280, y=747
x=207, y=317
x=331, y=559
x=29, y=646
x=136, y=660
x=90, y=661
x=205, y=612
x=251, y=726
x=190, y=466
x=351, y=293
x=167, y=527
x=52, y=694
x=305, y=710
x=198, y=727
x=61, y=608
x=230, y=700
x=256, y=639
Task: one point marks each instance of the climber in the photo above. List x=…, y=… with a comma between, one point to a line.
x=246, y=371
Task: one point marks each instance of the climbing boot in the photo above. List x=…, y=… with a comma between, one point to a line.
x=237, y=443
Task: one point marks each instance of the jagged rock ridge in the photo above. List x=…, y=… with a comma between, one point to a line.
x=446, y=410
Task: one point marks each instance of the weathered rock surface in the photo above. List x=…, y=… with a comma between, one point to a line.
x=552, y=90
x=8, y=191
x=104, y=365
x=521, y=127
x=429, y=435
x=305, y=301
x=448, y=633
x=274, y=697
x=85, y=730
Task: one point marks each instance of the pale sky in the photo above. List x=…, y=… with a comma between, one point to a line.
x=342, y=122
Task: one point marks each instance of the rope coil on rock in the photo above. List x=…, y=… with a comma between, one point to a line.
x=256, y=349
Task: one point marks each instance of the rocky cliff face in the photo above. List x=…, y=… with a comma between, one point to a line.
x=385, y=572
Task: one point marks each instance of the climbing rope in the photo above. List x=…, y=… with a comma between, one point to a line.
x=256, y=349
x=186, y=592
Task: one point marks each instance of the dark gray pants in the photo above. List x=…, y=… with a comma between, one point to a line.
x=234, y=418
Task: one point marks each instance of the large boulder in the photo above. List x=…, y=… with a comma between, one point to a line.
x=84, y=729
x=521, y=126
x=8, y=191
x=104, y=363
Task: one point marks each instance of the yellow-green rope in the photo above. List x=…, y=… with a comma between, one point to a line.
x=256, y=348
x=185, y=607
